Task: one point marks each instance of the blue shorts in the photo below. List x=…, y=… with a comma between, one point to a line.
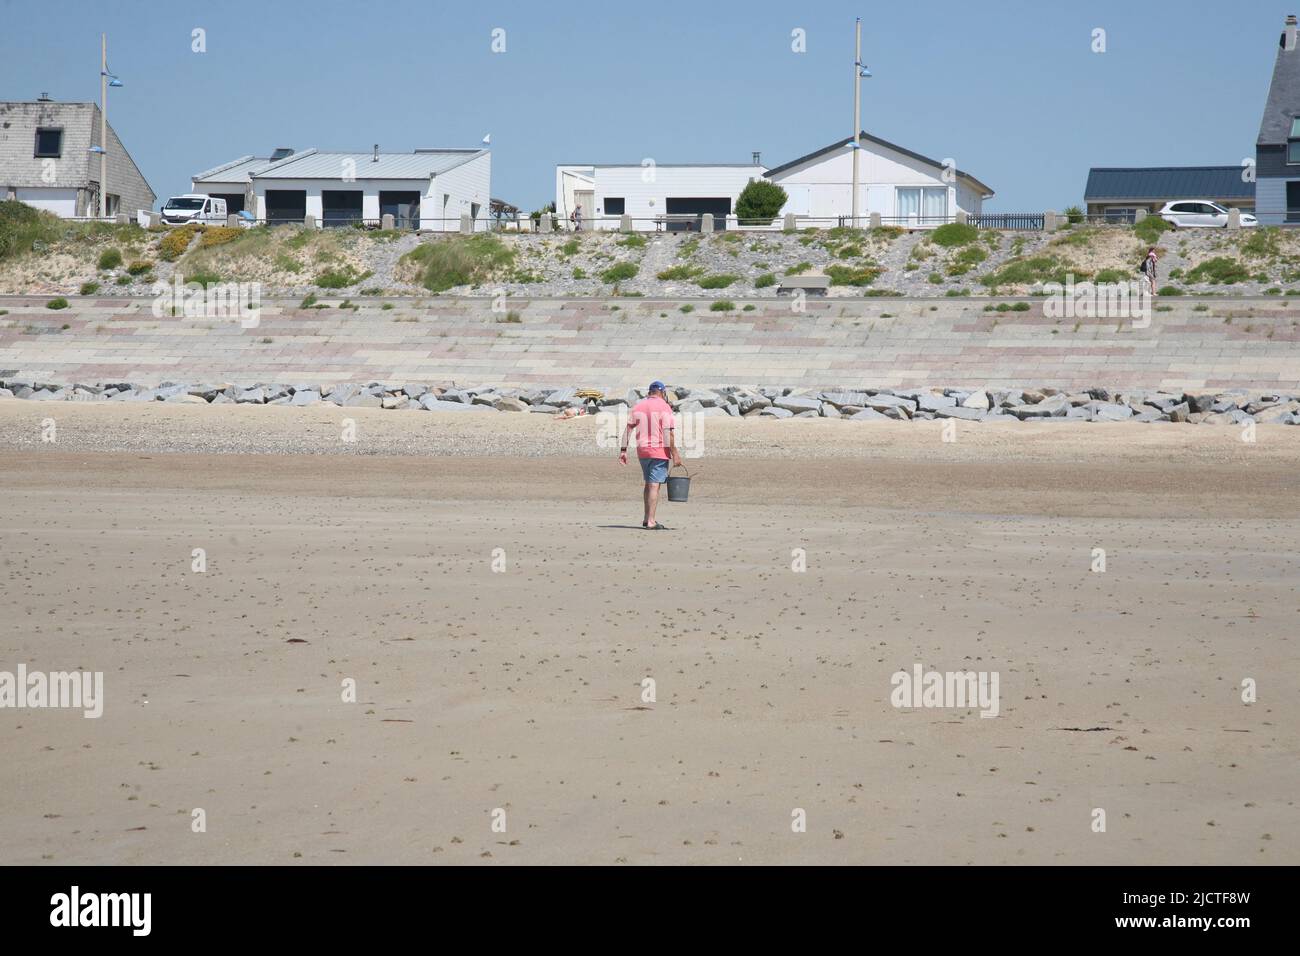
x=654, y=469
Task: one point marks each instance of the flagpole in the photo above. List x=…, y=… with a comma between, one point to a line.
x=857, y=99
x=103, y=126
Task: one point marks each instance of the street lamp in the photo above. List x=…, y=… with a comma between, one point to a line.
x=106, y=79
x=860, y=72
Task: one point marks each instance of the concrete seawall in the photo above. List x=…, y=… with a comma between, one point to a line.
x=1198, y=343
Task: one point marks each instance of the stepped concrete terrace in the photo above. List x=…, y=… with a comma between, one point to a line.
x=1199, y=343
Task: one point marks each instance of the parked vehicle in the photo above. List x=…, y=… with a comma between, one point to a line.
x=1200, y=214
x=194, y=208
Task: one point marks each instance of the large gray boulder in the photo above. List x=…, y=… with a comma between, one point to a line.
x=868, y=415
x=798, y=403
x=957, y=411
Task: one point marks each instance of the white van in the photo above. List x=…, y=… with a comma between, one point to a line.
x=195, y=208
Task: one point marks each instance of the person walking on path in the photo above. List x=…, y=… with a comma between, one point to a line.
x=1149, y=268
x=651, y=419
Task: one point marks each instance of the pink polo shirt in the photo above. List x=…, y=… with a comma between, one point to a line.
x=652, y=417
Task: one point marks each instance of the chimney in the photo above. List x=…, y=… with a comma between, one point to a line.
x=375, y=157
x=44, y=98
x=757, y=154
x=1289, y=37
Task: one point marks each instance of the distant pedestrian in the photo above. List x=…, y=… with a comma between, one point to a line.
x=575, y=217
x=1149, y=268
x=652, y=420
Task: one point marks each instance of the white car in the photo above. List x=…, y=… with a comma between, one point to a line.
x=1200, y=213
x=196, y=208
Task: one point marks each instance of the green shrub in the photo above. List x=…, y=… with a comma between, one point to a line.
x=851, y=251
x=1263, y=242
x=686, y=308
x=469, y=260
x=1150, y=229
x=688, y=248
x=139, y=267
x=110, y=259
x=511, y=316
x=935, y=279
x=571, y=247
x=59, y=302
x=173, y=245
x=1027, y=272
x=887, y=233
x=718, y=281
x=579, y=272
x=1073, y=215
x=88, y=288
x=797, y=268
x=954, y=234
x=765, y=280
x=125, y=280
x=631, y=240
x=1170, y=290
x=620, y=271
x=682, y=271
x=723, y=305
x=203, y=277
x=853, y=275
x=760, y=202
x=1113, y=275
x=24, y=229
x=219, y=235
x=1219, y=270
x=954, y=293
x=340, y=278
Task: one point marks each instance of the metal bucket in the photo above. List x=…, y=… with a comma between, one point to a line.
x=679, y=486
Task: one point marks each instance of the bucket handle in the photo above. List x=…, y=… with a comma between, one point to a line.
x=683, y=467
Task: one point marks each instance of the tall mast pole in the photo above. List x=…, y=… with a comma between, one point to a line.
x=103, y=126
x=857, y=118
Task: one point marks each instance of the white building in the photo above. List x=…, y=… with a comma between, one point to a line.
x=904, y=187
x=675, y=195
x=428, y=189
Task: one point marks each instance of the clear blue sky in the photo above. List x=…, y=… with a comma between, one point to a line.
x=1010, y=89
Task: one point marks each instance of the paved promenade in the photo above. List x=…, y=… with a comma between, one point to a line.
x=616, y=343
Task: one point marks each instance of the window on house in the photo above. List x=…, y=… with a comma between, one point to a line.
x=918, y=205
x=49, y=143
x=1293, y=143
x=614, y=206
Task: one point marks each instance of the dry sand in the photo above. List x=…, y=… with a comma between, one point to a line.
x=522, y=690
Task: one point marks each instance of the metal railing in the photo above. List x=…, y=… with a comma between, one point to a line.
x=697, y=223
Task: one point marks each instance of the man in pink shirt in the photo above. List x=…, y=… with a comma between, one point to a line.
x=652, y=420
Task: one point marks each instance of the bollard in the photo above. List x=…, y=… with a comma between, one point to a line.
x=309, y=221
x=232, y=221
x=1139, y=216
x=545, y=222
x=624, y=223
x=387, y=221
x=122, y=219
x=466, y=224
x=706, y=222
x=874, y=220
x=1234, y=218
x=963, y=219
x=790, y=222
x=1049, y=221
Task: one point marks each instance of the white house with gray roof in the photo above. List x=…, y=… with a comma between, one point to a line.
x=428, y=189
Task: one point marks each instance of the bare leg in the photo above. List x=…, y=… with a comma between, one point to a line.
x=651, y=502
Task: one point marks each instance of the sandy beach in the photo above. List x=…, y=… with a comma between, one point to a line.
x=486, y=586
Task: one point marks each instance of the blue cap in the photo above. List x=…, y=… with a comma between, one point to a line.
x=656, y=386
